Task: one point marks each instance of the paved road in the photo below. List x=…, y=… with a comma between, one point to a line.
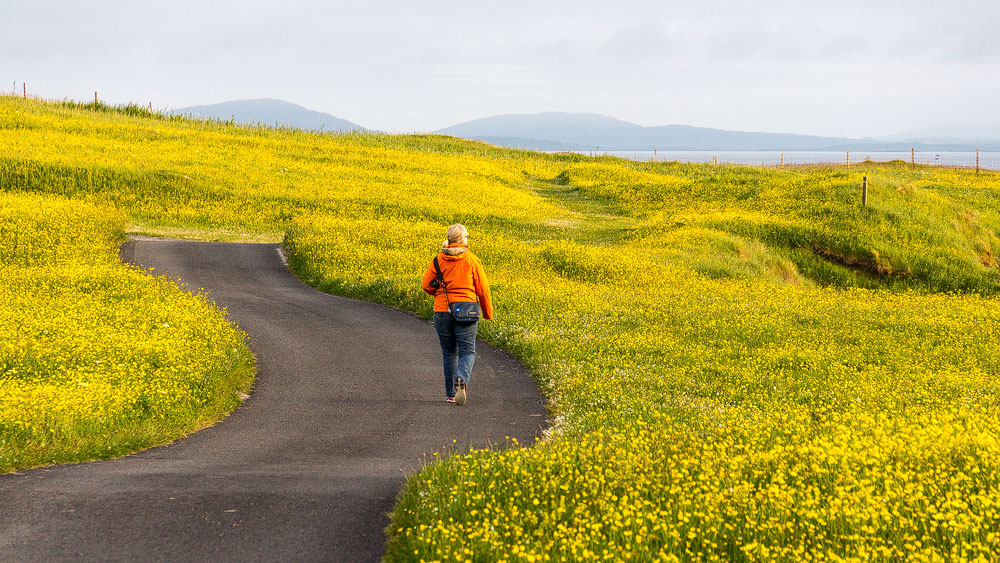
x=348, y=398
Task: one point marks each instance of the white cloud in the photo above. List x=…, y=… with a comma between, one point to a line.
x=848, y=68
x=489, y=74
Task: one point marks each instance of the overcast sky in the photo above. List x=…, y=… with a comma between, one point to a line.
x=840, y=68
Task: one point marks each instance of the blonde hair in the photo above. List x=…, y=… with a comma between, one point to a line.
x=455, y=234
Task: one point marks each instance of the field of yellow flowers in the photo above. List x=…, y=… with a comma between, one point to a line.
x=742, y=363
x=98, y=359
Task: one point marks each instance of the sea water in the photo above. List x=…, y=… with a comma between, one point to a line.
x=987, y=160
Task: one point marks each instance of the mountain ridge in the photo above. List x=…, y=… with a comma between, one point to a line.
x=590, y=131
x=582, y=132
x=270, y=112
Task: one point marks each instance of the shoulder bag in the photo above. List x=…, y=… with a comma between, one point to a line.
x=462, y=311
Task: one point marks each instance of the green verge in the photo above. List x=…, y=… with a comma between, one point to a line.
x=743, y=363
x=713, y=399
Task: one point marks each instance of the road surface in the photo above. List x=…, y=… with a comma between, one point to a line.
x=348, y=400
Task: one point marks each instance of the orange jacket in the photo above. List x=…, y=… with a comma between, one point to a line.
x=465, y=278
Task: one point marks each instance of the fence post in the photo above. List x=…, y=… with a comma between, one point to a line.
x=913, y=158
x=25, y=85
x=864, y=191
x=654, y=155
x=977, y=161
x=715, y=161
x=95, y=97
x=782, y=160
x=848, y=159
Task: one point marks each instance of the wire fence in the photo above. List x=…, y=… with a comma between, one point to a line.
x=975, y=160
x=21, y=90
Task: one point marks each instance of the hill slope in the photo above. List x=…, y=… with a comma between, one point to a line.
x=588, y=131
x=270, y=112
x=986, y=136
x=743, y=363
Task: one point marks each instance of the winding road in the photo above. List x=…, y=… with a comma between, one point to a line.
x=348, y=400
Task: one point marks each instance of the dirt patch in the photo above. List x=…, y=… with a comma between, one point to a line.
x=873, y=266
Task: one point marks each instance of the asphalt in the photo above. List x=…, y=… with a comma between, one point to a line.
x=348, y=401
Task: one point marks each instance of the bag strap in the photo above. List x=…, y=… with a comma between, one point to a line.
x=440, y=278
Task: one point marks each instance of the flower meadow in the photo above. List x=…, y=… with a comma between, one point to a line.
x=709, y=419
x=98, y=359
x=741, y=363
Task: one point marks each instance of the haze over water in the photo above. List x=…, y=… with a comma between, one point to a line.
x=965, y=159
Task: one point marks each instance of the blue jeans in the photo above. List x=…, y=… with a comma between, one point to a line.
x=458, y=348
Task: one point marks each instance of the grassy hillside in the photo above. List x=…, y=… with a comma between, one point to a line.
x=742, y=363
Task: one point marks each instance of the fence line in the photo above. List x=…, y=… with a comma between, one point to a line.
x=21, y=90
x=972, y=160
x=768, y=159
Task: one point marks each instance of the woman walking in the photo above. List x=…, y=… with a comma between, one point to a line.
x=456, y=276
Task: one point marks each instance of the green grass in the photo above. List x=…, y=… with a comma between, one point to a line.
x=742, y=363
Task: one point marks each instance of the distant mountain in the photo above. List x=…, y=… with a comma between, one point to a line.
x=978, y=134
x=526, y=143
x=589, y=131
x=272, y=113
